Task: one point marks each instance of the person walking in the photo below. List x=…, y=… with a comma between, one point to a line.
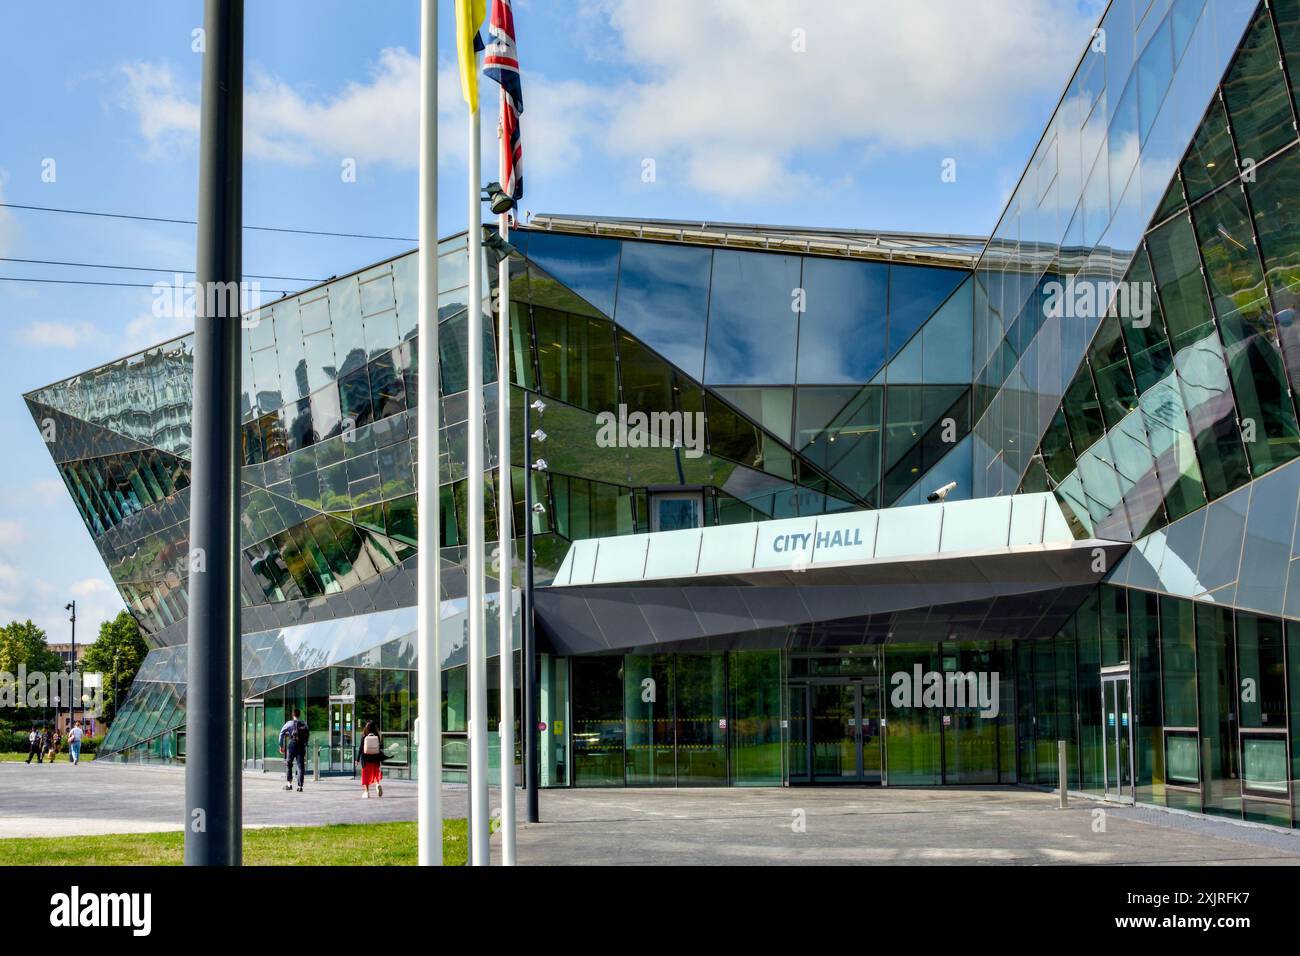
x=74, y=743
x=370, y=754
x=34, y=745
x=47, y=744
x=294, y=737
x=55, y=742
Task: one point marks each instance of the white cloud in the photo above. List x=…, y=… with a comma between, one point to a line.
x=371, y=121
x=167, y=116
x=148, y=329
x=91, y=588
x=143, y=331
x=715, y=90
x=24, y=596
x=47, y=491
x=57, y=335
x=30, y=586
x=724, y=88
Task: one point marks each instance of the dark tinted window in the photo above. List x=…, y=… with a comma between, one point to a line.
x=842, y=333
x=752, y=321
x=914, y=293
x=588, y=266
x=663, y=299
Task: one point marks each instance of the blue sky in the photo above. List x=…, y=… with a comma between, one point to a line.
x=767, y=111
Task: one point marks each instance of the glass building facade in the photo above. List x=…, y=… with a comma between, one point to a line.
x=828, y=375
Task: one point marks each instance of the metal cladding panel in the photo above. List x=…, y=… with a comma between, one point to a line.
x=619, y=617
x=668, y=613
x=673, y=552
x=720, y=610
x=727, y=548
x=621, y=558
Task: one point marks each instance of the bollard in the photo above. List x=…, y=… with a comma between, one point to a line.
x=315, y=764
x=1062, y=774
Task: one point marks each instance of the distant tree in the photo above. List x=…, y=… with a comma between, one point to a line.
x=117, y=654
x=23, y=643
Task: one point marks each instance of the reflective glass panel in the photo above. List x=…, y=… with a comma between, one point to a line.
x=663, y=299
x=1259, y=105
x=1236, y=282
x=753, y=320
x=588, y=266
x=842, y=333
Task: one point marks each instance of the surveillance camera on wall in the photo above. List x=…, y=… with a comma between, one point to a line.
x=941, y=493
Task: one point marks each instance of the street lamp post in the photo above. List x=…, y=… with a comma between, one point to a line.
x=116, y=655
x=72, y=666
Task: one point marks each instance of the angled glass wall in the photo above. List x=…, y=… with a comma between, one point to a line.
x=1100, y=172
x=1189, y=402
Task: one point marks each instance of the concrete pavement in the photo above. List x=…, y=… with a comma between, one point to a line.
x=63, y=800
x=994, y=825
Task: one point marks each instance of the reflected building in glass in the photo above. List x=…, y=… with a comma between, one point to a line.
x=821, y=506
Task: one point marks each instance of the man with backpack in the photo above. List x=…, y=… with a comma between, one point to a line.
x=294, y=739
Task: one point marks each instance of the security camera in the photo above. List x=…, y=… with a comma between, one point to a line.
x=941, y=493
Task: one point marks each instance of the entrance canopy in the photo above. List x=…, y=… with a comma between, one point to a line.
x=982, y=569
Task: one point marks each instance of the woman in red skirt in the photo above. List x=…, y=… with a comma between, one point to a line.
x=370, y=754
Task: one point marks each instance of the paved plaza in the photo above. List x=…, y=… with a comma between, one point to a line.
x=1003, y=825
x=767, y=826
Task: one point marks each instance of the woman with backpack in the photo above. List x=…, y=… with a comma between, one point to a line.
x=370, y=754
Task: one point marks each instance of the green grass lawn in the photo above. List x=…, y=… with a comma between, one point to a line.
x=345, y=844
x=63, y=757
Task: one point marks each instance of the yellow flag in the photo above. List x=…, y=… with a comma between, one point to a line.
x=469, y=17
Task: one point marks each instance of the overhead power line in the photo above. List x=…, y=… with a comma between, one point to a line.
x=102, y=265
x=120, y=285
x=191, y=222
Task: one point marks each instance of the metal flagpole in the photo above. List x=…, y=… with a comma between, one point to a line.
x=474, y=588
x=531, y=723
x=505, y=512
x=428, y=495
x=213, y=824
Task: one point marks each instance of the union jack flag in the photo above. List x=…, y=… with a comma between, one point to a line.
x=501, y=63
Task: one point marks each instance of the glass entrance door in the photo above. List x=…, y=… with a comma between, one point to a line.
x=839, y=722
x=254, y=735
x=871, y=733
x=340, y=747
x=835, y=756
x=1117, y=736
